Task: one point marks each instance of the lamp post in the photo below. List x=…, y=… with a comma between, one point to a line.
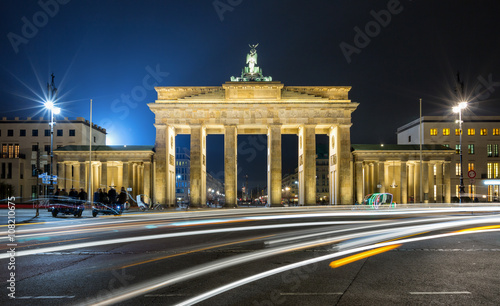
x=53, y=110
x=458, y=109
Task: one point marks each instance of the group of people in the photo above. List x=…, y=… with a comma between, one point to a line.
x=82, y=195
x=111, y=196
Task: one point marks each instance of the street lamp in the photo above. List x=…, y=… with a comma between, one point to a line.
x=458, y=109
x=53, y=111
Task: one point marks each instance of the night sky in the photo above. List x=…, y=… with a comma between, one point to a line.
x=391, y=52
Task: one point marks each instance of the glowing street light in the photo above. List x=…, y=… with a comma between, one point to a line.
x=53, y=111
x=458, y=109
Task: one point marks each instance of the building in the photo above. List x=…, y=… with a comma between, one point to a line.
x=480, y=153
x=253, y=104
x=131, y=167
x=182, y=166
x=411, y=175
x=26, y=150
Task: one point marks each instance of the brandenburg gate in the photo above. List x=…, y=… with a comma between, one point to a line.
x=254, y=104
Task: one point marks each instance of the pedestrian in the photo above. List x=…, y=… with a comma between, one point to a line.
x=73, y=193
x=112, y=195
x=97, y=195
x=122, y=197
x=82, y=195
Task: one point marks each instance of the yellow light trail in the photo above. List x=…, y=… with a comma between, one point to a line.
x=193, y=251
x=353, y=258
x=480, y=228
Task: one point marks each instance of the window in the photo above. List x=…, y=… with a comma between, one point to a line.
x=471, y=132
x=470, y=166
x=472, y=191
x=457, y=148
x=434, y=132
x=34, y=133
x=33, y=170
x=409, y=138
x=483, y=132
x=492, y=150
x=446, y=145
x=72, y=133
x=47, y=148
x=47, y=132
x=10, y=133
x=22, y=133
x=94, y=138
x=46, y=168
x=492, y=170
x=4, y=151
x=3, y=171
x=34, y=148
x=59, y=132
x=457, y=169
x=446, y=132
x=495, y=132
x=470, y=148
x=9, y=171
x=457, y=132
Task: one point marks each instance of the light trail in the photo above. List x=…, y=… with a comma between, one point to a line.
x=217, y=291
x=170, y=235
x=168, y=280
x=359, y=256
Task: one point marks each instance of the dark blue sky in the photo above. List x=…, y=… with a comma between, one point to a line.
x=104, y=50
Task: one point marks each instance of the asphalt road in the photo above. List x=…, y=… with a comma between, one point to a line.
x=282, y=256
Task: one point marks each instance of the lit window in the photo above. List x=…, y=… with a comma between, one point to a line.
x=489, y=149
x=490, y=170
x=483, y=132
x=470, y=147
x=495, y=150
x=434, y=132
x=472, y=191
x=470, y=166
x=471, y=132
x=495, y=132
x=457, y=132
x=457, y=169
x=446, y=132
x=457, y=148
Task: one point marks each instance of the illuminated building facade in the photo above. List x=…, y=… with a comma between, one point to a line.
x=25, y=145
x=480, y=150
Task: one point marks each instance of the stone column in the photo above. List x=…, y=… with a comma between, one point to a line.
x=135, y=190
x=161, y=162
x=373, y=183
x=427, y=182
x=344, y=165
x=68, y=182
x=307, y=165
x=417, y=185
x=198, y=167
x=439, y=183
x=147, y=179
x=274, y=165
x=170, y=166
x=359, y=182
x=104, y=175
x=447, y=182
x=428, y=176
x=119, y=173
x=411, y=181
x=126, y=175
x=230, y=165
x=334, y=144
x=404, y=184
x=61, y=177
x=381, y=175
x=83, y=176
